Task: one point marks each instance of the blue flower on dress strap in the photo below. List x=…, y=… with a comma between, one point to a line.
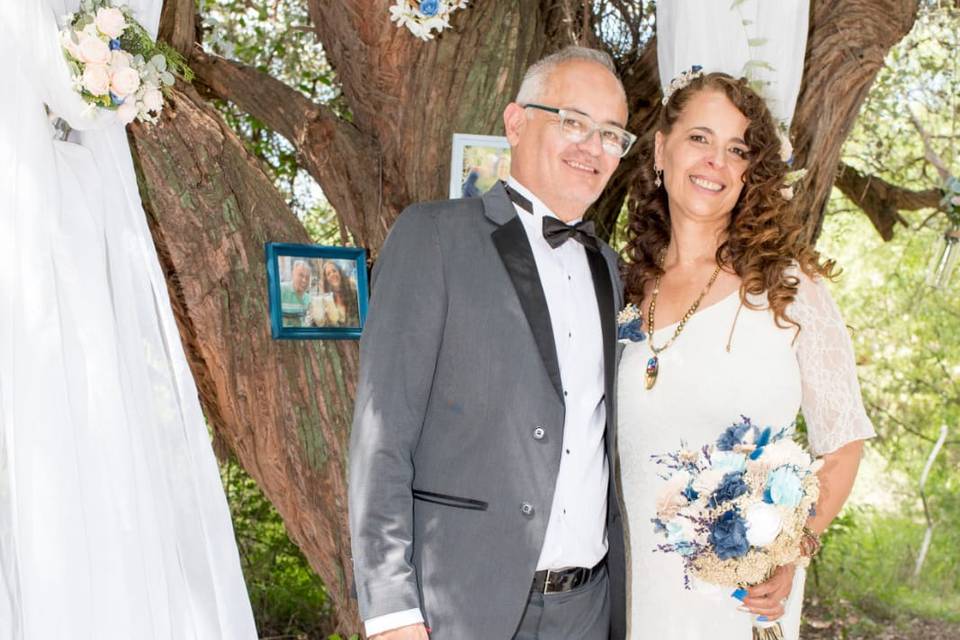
x=429, y=7
x=630, y=325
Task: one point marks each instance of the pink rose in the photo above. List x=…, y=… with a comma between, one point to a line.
x=110, y=22
x=93, y=50
x=128, y=112
x=119, y=60
x=125, y=82
x=96, y=79
x=153, y=100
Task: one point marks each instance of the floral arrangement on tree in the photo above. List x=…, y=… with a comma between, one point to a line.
x=423, y=17
x=735, y=510
x=115, y=64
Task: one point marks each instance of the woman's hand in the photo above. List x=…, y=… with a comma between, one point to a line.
x=769, y=598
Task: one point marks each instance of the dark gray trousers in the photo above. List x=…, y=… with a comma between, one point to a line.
x=581, y=614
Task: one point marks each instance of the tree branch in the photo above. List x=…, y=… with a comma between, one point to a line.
x=337, y=154
x=178, y=25
x=882, y=201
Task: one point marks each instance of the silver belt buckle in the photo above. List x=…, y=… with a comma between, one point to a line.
x=546, y=582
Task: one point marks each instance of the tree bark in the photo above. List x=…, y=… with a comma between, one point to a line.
x=285, y=407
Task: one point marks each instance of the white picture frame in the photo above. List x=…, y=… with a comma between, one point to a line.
x=487, y=155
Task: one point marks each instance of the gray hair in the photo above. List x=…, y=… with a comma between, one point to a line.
x=301, y=263
x=535, y=79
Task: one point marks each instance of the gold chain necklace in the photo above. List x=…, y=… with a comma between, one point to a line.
x=653, y=364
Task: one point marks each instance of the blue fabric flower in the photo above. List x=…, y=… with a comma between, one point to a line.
x=733, y=436
x=429, y=7
x=784, y=488
x=116, y=100
x=729, y=536
x=731, y=487
x=728, y=461
x=631, y=331
x=114, y=44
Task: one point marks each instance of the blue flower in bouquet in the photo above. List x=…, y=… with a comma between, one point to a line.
x=733, y=436
x=115, y=44
x=630, y=325
x=784, y=488
x=731, y=487
x=728, y=461
x=677, y=536
x=690, y=493
x=429, y=7
x=728, y=535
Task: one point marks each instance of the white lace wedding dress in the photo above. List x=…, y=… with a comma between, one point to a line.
x=704, y=387
x=113, y=521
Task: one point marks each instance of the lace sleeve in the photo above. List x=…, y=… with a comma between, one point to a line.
x=832, y=405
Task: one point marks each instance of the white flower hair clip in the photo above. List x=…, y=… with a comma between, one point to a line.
x=681, y=81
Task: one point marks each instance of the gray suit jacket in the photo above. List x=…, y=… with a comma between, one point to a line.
x=458, y=368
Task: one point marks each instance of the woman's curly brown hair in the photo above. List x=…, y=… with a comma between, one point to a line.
x=764, y=236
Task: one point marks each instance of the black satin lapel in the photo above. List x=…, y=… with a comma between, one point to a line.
x=604, y=290
x=514, y=248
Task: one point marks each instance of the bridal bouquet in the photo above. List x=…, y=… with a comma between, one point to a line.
x=735, y=510
x=115, y=63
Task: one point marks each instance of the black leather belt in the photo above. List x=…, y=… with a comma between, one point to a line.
x=548, y=581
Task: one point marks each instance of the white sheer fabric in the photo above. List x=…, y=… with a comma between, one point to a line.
x=766, y=375
x=113, y=522
x=762, y=40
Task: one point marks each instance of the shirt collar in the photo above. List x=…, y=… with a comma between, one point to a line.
x=539, y=209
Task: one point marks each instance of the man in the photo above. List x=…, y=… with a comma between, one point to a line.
x=294, y=299
x=482, y=501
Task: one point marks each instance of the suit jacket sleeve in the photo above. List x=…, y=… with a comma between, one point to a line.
x=398, y=355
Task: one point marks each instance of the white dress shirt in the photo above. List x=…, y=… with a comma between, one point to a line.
x=576, y=532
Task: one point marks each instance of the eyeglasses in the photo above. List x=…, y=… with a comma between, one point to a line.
x=578, y=128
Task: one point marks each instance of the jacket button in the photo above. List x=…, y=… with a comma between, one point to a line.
x=526, y=509
x=538, y=433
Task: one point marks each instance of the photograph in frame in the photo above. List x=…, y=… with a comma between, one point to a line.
x=476, y=163
x=316, y=292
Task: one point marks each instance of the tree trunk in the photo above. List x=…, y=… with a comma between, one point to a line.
x=285, y=407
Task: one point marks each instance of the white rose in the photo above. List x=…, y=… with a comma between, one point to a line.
x=119, y=60
x=763, y=524
x=93, y=50
x=785, y=452
x=153, y=100
x=110, y=22
x=707, y=481
x=72, y=47
x=127, y=112
x=96, y=79
x=125, y=82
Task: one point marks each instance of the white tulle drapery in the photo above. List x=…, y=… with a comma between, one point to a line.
x=113, y=522
x=762, y=40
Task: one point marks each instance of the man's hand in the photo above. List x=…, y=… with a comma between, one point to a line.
x=410, y=632
x=768, y=598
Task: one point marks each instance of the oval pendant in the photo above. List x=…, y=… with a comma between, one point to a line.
x=653, y=369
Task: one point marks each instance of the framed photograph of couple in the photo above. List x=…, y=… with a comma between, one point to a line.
x=316, y=292
x=476, y=163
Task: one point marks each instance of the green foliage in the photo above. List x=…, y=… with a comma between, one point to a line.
x=288, y=599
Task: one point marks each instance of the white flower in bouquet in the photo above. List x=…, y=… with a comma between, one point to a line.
x=153, y=100
x=93, y=50
x=671, y=499
x=125, y=82
x=119, y=60
x=70, y=43
x=763, y=523
x=96, y=79
x=785, y=452
x=111, y=22
x=128, y=112
x=707, y=481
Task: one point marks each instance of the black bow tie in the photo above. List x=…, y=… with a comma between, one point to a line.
x=555, y=231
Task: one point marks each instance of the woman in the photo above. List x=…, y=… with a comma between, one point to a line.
x=340, y=303
x=739, y=322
